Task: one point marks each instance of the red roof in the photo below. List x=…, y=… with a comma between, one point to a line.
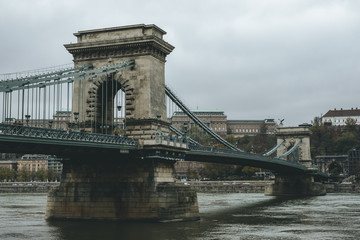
x=343, y=113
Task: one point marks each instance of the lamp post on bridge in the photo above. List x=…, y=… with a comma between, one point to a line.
x=76, y=118
x=185, y=134
x=27, y=119
x=119, y=107
x=50, y=123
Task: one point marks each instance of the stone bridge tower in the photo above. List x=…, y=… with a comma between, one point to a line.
x=139, y=184
x=290, y=136
x=295, y=146
x=144, y=86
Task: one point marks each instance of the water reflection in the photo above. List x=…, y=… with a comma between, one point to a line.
x=120, y=230
x=223, y=216
x=216, y=210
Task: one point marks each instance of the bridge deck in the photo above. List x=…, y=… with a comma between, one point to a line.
x=246, y=159
x=22, y=139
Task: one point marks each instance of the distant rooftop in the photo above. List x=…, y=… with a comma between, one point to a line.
x=201, y=112
x=245, y=121
x=343, y=112
x=63, y=112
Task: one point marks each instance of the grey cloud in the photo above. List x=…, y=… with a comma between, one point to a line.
x=253, y=59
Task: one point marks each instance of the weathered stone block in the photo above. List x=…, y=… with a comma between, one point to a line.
x=139, y=195
x=295, y=185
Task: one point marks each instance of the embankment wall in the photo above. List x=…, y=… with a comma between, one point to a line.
x=27, y=187
x=199, y=186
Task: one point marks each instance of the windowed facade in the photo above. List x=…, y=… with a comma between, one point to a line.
x=218, y=122
x=341, y=117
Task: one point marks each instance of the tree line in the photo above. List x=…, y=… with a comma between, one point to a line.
x=324, y=139
x=328, y=140
x=259, y=144
x=10, y=175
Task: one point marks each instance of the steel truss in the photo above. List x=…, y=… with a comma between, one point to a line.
x=274, y=149
x=34, y=132
x=296, y=145
x=62, y=76
x=193, y=117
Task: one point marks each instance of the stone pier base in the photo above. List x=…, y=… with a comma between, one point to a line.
x=297, y=185
x=121, y=189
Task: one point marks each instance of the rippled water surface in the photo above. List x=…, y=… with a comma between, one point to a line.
x=223, y=216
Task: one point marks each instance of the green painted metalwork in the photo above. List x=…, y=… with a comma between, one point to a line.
x=56, y=134
x=296, y=145
x=179, y=133
x=183, y=107
x=62, y=76
x=227, y=156
x=274, y=149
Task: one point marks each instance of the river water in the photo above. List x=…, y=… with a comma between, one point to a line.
x=223, y=216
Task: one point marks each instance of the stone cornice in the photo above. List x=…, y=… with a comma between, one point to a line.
x=120, y=28
x=146, y=45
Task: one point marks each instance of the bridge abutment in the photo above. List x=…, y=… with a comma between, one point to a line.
x=121, y=189
x=139, y=186
x=295, y=185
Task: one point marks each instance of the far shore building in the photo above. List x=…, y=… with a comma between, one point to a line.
x=214, y=119
x=354, y=161
x=60, y=120
x=183, y=168
x=33, y=162
x=9, y=156
x=338, y=117
x=218, y=122
x=326, y=163
x=10, y=164
x=348, y=164
x=251, y=127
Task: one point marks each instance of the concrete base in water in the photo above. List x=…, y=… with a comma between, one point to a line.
x=130, y=189
x=297, y=185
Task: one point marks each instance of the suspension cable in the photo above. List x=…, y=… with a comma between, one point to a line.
x=182, y=106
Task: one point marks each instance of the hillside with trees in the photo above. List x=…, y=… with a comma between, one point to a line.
x=329, y=140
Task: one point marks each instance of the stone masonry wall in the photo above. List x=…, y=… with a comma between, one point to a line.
x=124, y=189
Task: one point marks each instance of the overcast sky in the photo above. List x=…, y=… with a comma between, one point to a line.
x=253, y=59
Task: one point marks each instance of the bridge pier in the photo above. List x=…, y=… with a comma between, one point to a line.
x=294, y=146
x=141, y=185
x=295, y=185
x=121, y=189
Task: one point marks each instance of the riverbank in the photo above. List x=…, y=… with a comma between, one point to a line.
x=342, y=188
x=199, y=186
x=27, y=187
x=228, y=186
x=257, y=187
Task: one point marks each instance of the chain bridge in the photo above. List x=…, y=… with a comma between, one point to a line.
x=107, y=116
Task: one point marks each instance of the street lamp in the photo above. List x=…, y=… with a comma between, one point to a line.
x=50, y=123
x=76, y=118
x=27, y=119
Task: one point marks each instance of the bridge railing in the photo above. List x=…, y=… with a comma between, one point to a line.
x=195, y=147
x=25, y=131
x=160, y=138
x=24, y=74
x=193, y=117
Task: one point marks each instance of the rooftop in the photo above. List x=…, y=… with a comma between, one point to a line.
x=343, y=113
x=201, y=112
x=245, y=121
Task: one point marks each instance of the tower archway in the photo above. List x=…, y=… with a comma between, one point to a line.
x=292, y=135
x=143, y=86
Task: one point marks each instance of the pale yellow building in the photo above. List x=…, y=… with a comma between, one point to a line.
x=32, y=163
